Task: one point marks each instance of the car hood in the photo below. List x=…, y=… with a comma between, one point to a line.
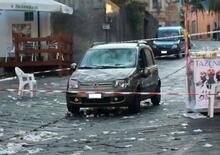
x=92, y=75
x=165, y=42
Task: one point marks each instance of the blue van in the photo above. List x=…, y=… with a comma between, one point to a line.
x=169, y=41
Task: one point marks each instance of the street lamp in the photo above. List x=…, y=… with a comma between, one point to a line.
x=110, y=10
x=108, y=21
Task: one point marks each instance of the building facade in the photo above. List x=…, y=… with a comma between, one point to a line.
x=166, y=11
x=203, y=22
x=91, y=22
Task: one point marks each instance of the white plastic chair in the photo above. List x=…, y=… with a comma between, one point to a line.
x=10, y=51
x=25, y=79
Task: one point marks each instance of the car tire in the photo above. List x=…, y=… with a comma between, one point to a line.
x=135, y=106
x=155, y=100
x=73, y=109
x=179, y=55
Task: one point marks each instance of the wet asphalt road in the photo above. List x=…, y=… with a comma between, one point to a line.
x=40, y=126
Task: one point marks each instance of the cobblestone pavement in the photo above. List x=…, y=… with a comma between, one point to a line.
x=39, y=125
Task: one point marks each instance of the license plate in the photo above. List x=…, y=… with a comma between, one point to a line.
x=164, y=52
x=95, y=96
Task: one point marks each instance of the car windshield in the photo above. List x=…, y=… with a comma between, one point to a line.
x=109, y=58
x=168, y=33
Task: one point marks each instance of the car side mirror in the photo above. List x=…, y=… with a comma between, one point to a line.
x=145, y=72
x=73, y=66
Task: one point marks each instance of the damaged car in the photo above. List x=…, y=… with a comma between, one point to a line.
x=114, y=75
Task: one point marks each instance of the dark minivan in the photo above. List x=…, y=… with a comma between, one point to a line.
x=112, y=75
x=169, y=41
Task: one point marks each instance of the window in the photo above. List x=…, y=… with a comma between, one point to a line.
x=157, y=4
x=149, y=56
x=28, y=16
x=142, y=59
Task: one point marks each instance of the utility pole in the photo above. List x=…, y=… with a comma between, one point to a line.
x=186, y=34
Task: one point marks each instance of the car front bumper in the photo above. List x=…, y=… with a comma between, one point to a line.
x=99, y=99
x=161, y=52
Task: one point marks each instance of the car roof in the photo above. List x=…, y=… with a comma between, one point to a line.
x=116, y=45
x=170, y=28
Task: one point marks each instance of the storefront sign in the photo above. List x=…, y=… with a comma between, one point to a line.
x=206, y=73
x=24, y=7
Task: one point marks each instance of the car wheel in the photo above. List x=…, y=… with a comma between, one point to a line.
x=134, y=106
x=179, y=55
x=73, y=109
x=156, y=98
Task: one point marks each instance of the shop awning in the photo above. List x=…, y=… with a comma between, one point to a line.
x=35, y=5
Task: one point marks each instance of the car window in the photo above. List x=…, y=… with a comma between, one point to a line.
x=109, y=58
x=149, y=57
x=168, y=33
x=142, y=59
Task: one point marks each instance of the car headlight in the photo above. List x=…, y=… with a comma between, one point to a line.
x=73, y=84
x=174, y=46
x=121, y=83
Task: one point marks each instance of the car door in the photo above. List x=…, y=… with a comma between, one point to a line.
x=147, y=81
x=153, y=69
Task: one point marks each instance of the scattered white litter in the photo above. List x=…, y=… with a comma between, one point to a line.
x=13, y=148
x=13, y=98
x=127, y=146
x=34, y=151
x=184, y=124
x=77, y=153
x=207, y=145
x=87, y=147
x=105, y=132
x=83, y=140
x=23, y=104
x=194, y=115
x=165, y=103
x=114, y=133
x=141, y=139
x=80, y=129
x=20, y=133
x=90, y=116
x=197, y=130
x=177, y=132
x=1, y=130
x=92, y=136
x=128, y=117
x=131, y=138
x=42, y=136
